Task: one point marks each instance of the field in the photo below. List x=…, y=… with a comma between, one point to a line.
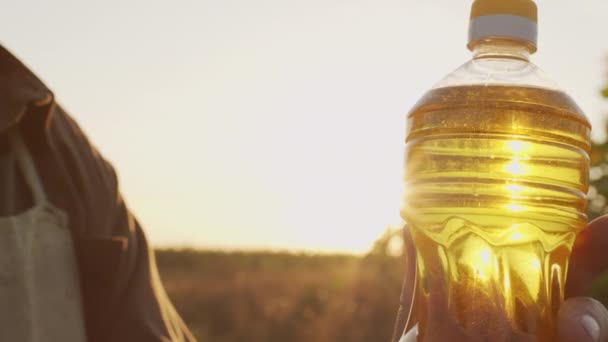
x=279, y=297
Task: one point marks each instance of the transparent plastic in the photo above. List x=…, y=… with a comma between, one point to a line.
x=495, y=192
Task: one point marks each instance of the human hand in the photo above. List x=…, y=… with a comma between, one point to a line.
x=581, y=319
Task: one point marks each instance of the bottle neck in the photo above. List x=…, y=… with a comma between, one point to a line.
x=502, y=48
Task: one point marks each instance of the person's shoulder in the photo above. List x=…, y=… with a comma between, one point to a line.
x=27, y=102
x=20, y=90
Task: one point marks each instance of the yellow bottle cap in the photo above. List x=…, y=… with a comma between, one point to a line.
x=504, y=19
x=520, y=8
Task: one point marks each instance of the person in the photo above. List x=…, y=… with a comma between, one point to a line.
x=122, y=295
x=580, y=318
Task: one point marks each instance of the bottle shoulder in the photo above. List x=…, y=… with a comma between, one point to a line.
x=498, y=71
x=500, y=80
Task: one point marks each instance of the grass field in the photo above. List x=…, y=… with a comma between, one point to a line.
x=280, y=297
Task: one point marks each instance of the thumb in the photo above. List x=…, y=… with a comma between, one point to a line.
x=583, y=319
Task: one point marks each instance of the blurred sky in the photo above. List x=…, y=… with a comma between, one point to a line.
x=270, y=123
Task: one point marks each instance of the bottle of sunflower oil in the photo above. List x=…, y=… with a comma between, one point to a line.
x=496, y=178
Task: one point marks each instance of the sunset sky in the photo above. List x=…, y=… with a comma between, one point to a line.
x=270, y=123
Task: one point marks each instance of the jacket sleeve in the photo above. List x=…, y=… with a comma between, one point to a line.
x=144, y=311
x=123, y=296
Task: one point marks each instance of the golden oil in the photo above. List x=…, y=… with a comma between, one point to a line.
x=495, y=193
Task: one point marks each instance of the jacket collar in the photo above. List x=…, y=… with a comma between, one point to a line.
x=20, y=90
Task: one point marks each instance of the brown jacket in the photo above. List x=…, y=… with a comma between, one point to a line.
x=123, y=297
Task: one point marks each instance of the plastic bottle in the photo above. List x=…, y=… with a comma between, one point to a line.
x=495, y=187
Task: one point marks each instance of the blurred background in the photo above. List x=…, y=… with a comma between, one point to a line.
x=260, y=142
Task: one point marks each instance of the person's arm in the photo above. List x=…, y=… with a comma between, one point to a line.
x=144, y=312
x=124, y=297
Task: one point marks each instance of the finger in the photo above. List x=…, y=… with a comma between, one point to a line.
x=583, y=319
x=588, y=258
